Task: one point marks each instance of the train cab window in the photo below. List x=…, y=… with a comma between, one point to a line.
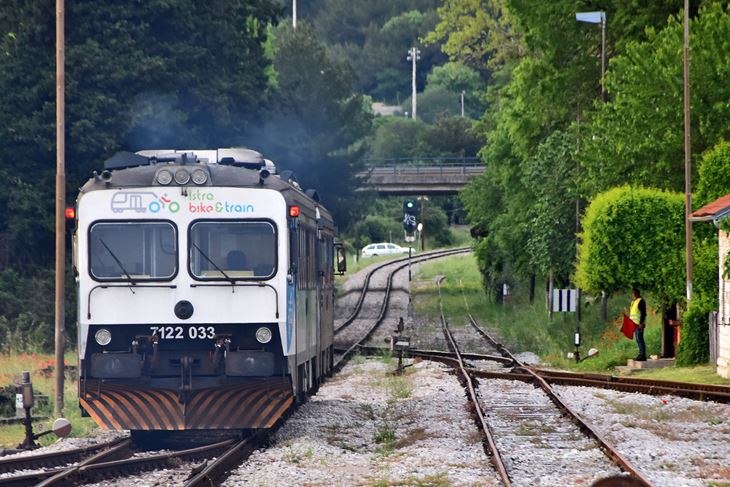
x=221, y=250
x=132, y=251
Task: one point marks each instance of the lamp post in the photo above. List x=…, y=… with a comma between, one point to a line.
x=687, y=158
x=598, y=17
x=414, y=54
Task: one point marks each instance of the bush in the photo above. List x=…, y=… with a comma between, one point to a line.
x=634, y=237
x=714, y=172
x=694, y=346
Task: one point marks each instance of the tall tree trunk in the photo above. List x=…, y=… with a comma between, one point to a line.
x=550, y=294
x=532, y=288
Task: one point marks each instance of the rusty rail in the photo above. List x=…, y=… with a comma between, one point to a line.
x=465, y=376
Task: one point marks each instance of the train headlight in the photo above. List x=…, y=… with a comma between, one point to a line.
x=199, y=176
x=182, y=176
x=103, y=337
x=164, y=177
x=263, y=335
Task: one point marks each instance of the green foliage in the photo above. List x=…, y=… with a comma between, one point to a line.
x=636, y=137
x=315, y=120
x=435, y=101
x=714, y=172
x=397, y=137
x=476, y=32
x=694, y=347
x=160, y=73
x=458, y=78
x=374, y=37
x=551, y=176
x=633, y=237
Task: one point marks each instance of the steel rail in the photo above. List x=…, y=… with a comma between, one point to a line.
x=384, y=306
x=94, y=469
x=608, y=449
x=369, y=275
x=495, y=456
x=214, y=472
x=652, y=387
x=53, y=459
x=122, y=449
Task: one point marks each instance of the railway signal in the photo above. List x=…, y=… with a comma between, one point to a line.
x=410, y=212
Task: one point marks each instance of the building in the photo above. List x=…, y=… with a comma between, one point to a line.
x=714, y=212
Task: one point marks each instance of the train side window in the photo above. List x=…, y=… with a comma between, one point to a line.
x=132, y=251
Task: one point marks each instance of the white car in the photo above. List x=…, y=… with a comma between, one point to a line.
x=384, y=249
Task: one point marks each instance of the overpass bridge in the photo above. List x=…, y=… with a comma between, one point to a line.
x=423, y=176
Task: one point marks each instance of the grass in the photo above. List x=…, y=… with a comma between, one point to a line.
x=523, y=326
x=12, y=366
x=705, y=374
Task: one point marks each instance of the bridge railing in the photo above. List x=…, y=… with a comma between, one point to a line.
x=424, y=165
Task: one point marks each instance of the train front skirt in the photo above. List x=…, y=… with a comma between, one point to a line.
x=255, y=403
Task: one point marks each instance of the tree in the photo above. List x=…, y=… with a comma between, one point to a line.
x=714, y=174
x=551, y=174
x=459, y=79
x=172, y=73
x=374, y=37
x=316, y=118
x=633, y=237
x=398, y=137
x=637, y=136
x=452, y=137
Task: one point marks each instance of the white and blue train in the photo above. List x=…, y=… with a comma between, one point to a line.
x=205, y=291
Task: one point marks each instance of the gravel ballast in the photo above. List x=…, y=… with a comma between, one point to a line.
x=674, y=441
x=367, y=427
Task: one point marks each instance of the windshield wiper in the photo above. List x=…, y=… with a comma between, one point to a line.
x=116, y=259
x=233, y=281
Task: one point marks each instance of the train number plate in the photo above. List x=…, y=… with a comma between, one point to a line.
x=180, y=333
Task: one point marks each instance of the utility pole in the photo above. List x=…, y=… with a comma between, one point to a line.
x=462, y=103
x=687, y=156
x=294, y=14
x=60, y=205
x=603, y=57
x=414, y=54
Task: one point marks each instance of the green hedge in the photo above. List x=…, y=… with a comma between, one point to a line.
x=694, y=345
x=633, y=237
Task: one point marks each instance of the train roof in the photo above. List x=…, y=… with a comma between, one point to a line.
x=242, y=168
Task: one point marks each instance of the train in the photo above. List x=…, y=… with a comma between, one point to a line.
x=205, y=283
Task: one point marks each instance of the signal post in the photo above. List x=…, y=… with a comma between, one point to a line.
x=410, y=212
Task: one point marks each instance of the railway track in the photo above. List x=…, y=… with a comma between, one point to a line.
x=383, y=266
x=347, y=347
x=121, y=459
x=515, y=413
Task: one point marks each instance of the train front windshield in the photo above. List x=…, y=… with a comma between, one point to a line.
x=232, y=250
x=132, y=251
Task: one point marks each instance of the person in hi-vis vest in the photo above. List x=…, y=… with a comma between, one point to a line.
x=637, y=313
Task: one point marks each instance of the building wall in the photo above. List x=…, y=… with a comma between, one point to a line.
x=723, y=317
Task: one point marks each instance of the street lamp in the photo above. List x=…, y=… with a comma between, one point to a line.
x=414, y=54
x=597, y=18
